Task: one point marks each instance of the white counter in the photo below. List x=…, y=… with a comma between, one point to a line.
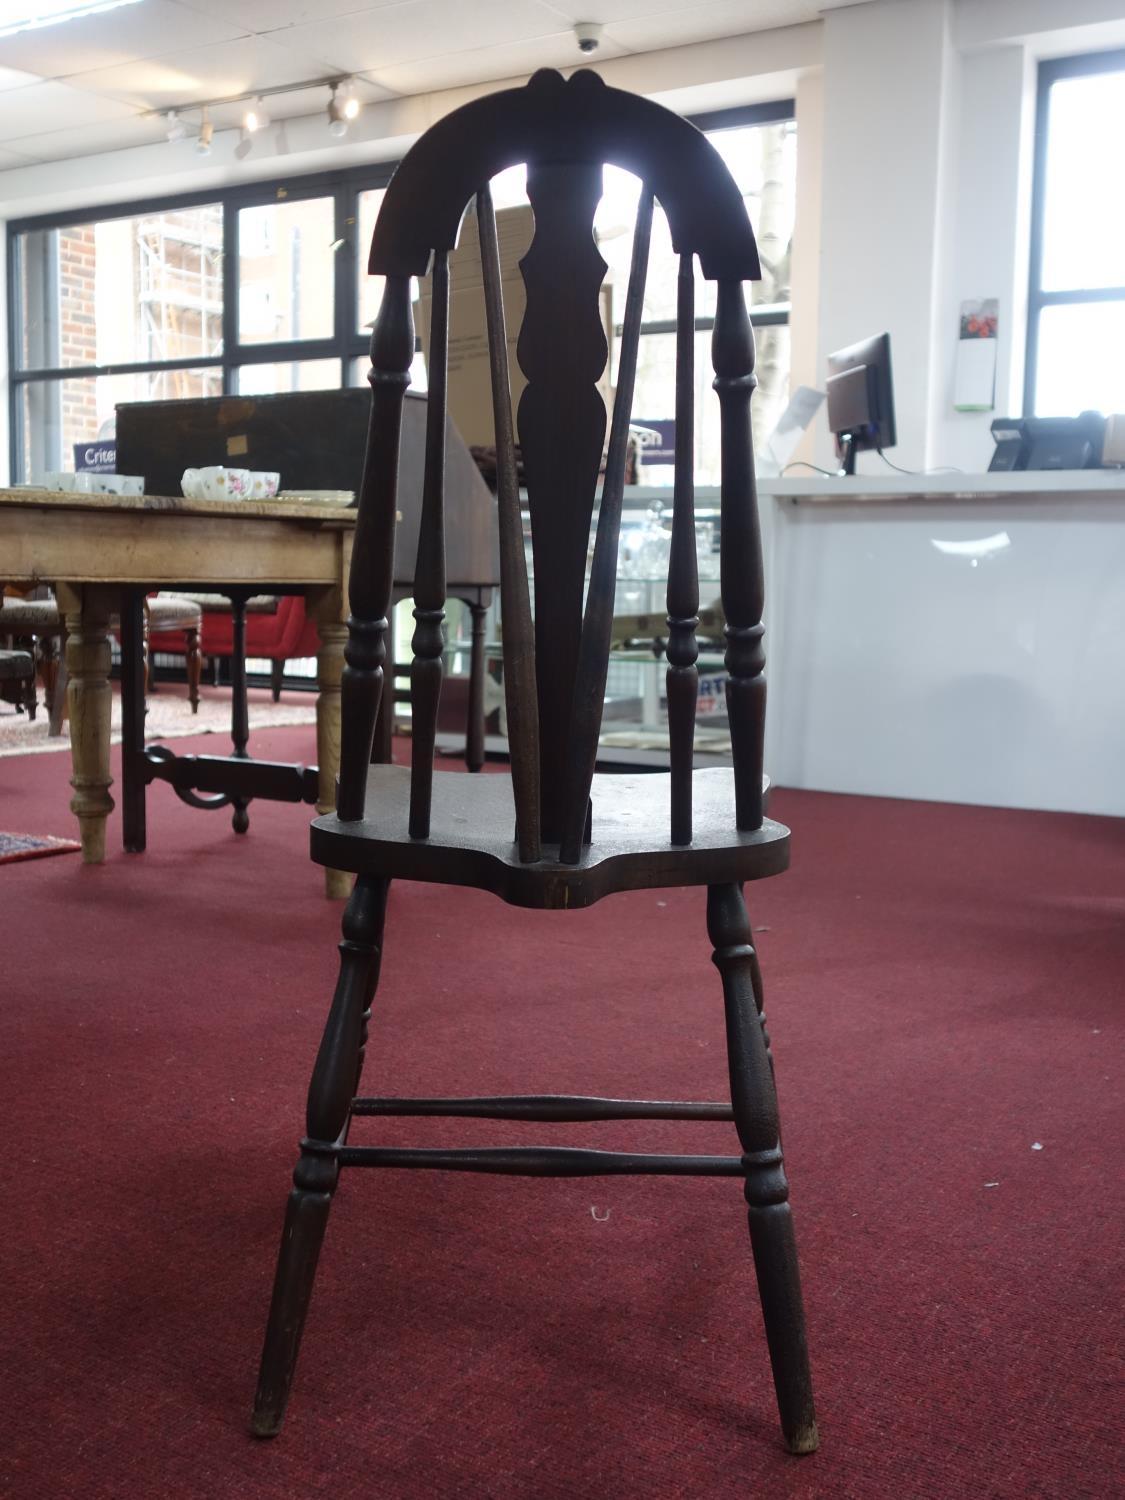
x=948, y=637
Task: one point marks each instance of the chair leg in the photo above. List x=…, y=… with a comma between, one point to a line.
x=277, y=677
x=193, y=661
x=56, y=701
x=767, y=1192
x=334, y=1081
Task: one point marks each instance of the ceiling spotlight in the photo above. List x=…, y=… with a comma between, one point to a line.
x=176, y=129
x=256, y=116
x=245, y=144
x=206, y=131
x=352, y=105
x=337, y=119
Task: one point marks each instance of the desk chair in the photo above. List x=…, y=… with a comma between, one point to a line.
x=555, y=835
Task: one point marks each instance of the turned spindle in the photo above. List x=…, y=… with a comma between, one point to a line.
x=743, y=586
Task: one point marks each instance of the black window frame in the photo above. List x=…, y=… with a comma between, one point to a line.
x=347, y=341
x=1082, y=65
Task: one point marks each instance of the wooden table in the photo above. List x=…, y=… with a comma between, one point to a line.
x=100, y=551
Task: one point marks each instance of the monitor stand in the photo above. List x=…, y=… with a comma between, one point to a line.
x=849, y=446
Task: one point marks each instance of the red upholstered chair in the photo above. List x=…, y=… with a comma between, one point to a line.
x=277, y=630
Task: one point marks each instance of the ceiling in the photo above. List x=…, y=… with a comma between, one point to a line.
x=87, y=86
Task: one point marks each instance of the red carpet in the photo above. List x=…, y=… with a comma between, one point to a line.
x=944, y=988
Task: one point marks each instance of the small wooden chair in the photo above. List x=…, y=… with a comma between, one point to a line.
x=555, y=835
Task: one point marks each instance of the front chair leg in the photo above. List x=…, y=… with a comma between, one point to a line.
x=331, y=1092
x=767, y=1193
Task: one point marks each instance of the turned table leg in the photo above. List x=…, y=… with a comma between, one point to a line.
x=474, y=735
x=87, y=611
x=333, y=633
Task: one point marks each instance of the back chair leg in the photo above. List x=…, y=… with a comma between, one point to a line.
x=334, y=1081
x=277, y=677
x=767, y=1192
x=193, y=661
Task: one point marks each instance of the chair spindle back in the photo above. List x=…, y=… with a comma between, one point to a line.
x=556, y=663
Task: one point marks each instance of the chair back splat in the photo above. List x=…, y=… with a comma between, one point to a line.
x=556, y=664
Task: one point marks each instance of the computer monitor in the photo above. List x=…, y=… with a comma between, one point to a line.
x=861, y=403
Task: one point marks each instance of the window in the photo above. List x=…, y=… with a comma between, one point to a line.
x=1076, y=325
x=265, y=288
x=192, y=296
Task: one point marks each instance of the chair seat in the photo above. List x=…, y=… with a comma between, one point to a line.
x=15, y=666
x=173, y=612
x=219, y=604
x=41, y=616
x=472, y=829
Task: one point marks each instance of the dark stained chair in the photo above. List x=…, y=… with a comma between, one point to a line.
x=555, y=835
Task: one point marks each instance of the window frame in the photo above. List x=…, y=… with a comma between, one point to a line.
x=345, y=344
x=1082, y=65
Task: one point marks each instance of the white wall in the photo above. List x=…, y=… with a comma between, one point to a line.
x=885, y=80
x=804, y=322
x=988, y=210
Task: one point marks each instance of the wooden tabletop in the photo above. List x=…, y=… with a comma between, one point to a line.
x=263, y=510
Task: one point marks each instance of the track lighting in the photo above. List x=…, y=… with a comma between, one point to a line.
x=344, y=107
x=337, y=119
x=256, y=116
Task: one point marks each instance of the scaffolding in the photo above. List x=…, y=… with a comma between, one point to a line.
x=180, y=286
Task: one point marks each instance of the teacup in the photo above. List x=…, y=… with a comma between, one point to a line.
x=215, y=483
x=115, y=484
x=67, y=483
x=263, y=485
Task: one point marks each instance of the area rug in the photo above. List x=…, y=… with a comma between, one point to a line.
x=15, y=846
x=169, y=717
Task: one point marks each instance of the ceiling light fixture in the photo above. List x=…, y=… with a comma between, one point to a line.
x=337, y=119
x=206, y=131
x=256, y=116
x=344, y=107
x=29, y=15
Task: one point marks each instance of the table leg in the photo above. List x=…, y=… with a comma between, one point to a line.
x=474, y=733
x=132, y=721
x=333, y=631
x=239, y=706
x=382, y=750
x=87, y=611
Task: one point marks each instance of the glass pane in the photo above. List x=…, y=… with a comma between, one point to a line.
x=654, y=398
x=370, y=287
x=288, y=375
x=286, y=270
x=57, y=414
x=763, y=161
x=122, y=290
x=1079, y=367
x=1084, y=214
x=360, y=368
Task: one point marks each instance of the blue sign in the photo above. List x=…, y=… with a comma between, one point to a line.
x=657, y=439
x=96, y=458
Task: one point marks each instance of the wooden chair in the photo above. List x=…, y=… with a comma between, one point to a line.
x=555, y=835
x=17, y=681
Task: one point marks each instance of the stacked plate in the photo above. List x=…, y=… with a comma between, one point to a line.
x=319, y=497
